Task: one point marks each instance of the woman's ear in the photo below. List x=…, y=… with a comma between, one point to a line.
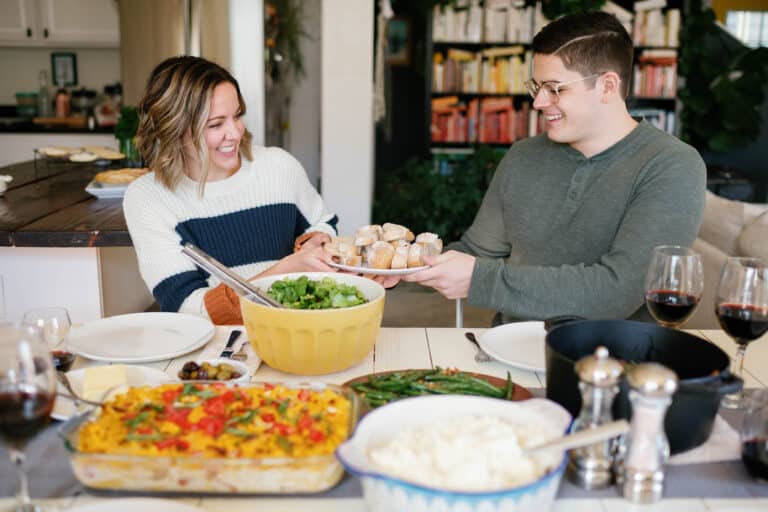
x=611, y=86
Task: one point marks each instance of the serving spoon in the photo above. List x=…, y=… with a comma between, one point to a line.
x=582, y=437
x=241, y=287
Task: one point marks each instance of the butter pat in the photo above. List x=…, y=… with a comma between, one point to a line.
x=100, y=379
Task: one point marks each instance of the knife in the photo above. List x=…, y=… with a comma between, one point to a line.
x=227, y=352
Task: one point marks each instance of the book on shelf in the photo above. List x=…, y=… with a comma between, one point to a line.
x=660, y=118
x=652, y=27
x=655, y=74
x=497, y=70
x=501, y=21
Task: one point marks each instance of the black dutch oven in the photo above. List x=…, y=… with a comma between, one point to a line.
x=701, y=367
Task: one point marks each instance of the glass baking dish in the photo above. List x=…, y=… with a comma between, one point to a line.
x=182, y=474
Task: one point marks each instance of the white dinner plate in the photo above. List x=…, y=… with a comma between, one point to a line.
x=377, y=271
x=106, y=190
x=140, y=337
x=64, y=408
x=134, y=504
x=519, y=344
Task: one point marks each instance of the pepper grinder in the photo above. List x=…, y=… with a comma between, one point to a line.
x=591, y=466
x=641, y=474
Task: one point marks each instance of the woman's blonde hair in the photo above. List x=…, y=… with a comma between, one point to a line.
x=177, y=102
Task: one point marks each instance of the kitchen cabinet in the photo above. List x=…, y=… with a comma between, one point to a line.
x=57, y=23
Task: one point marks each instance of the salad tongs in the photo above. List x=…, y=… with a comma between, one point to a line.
x=241, y=287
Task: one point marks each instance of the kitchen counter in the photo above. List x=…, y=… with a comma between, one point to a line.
x=61, y=246
x=46, y=205
x=15, y=126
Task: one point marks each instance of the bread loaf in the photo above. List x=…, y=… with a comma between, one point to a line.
x=379, y=255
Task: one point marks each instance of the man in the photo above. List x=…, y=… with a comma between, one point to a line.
x=570, y=219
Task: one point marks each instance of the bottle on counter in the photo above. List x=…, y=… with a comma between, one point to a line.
x=62, y=103
x=44, y=104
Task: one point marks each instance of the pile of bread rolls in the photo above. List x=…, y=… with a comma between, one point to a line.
x=388, y=246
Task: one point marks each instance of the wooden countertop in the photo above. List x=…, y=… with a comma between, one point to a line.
x=46, y=205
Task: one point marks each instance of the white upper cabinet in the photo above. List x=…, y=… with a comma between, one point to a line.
x=59, y=23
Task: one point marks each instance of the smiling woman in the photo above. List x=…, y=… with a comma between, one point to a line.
x=250, y=207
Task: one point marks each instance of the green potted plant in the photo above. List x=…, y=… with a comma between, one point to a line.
x=720, y=103
x=125, y=133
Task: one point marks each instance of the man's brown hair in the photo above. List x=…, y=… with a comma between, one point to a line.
x=589, y=43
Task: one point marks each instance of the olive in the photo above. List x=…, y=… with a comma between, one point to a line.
x=190, y=366
x=202, y=374
x=224, y=375
x=183, y=375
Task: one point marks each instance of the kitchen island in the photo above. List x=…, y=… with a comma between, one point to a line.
x=59, y=245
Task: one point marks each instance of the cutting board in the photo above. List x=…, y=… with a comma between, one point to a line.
x=72, y=121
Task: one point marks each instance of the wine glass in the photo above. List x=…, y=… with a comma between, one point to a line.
x=54, y=324
x=27, y=395
x=741, y=306
x=754, y=434
x=673, y=284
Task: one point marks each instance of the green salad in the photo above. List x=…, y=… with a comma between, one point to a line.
x=305, y=293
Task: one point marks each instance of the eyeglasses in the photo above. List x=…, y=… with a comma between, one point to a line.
x=552, y=88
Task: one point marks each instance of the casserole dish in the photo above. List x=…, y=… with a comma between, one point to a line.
x=156, y=470
x=702, y=367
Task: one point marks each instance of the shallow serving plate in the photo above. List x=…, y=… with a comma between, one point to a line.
x=518, y=344
x=106, y=190
x=178, y=474
x=377, y=271
x=140, y=337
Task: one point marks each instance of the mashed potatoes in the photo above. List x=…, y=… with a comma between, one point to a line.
x=471, y=453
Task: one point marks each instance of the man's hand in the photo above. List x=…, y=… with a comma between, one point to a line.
x=450, y=274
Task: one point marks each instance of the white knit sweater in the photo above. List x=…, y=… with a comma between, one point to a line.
x=247, y=221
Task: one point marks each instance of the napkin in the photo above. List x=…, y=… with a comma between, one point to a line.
x=723, y=444
x=215, y=347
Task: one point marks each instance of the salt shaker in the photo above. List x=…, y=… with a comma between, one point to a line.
x=591, y=466
x=641, y=474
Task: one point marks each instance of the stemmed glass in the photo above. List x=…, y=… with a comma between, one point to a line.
x=54, y=324
x=741, y=306
x=754, y=433
x=27, y=395
x=673, y=284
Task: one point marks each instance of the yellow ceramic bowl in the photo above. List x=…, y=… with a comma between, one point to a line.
x=314, y=342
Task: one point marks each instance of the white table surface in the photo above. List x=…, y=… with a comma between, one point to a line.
x=399, y=348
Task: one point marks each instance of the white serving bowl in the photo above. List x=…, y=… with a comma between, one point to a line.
x=387, y=493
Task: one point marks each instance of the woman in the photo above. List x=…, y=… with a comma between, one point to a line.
x=250, y=207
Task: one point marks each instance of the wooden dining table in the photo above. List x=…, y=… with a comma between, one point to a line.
x=400, y=348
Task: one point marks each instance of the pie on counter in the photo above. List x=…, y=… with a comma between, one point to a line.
x=120, y=176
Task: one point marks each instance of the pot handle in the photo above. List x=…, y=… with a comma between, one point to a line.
x=557, y=321
x=724, y=385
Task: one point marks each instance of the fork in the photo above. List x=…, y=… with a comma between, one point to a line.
x=481, y=356
x=240, y=355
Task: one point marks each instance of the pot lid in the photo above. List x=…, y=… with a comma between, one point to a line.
x=599, y=369
x=653, y=379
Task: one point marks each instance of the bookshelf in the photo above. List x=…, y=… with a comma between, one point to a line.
x=481, y=57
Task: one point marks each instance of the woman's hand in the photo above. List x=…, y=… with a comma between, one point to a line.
x=307, y=259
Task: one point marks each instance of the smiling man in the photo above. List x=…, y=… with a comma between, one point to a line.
x=569, y=221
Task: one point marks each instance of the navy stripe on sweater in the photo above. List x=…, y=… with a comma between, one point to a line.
x=244, y=237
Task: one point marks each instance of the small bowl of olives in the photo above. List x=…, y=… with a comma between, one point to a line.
x=215, y=369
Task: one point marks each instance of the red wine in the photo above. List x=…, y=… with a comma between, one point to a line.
x=62, y=360
x=669, y=306
x=742, y=322
x=754, y=454
x=23, y=414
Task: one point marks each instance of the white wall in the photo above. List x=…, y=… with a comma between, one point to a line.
x=20, y=68
x=347, y=111
x=246, y=36
x=304, y=123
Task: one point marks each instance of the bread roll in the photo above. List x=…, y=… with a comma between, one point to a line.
x=120, y=176
x=379, y=255
x=340, y=248
x=352, y=261
x=415, y=256
x=367, y=235
x=431, y=242
x=400, y=259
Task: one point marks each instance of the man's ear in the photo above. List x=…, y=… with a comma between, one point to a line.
x=611, y=86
